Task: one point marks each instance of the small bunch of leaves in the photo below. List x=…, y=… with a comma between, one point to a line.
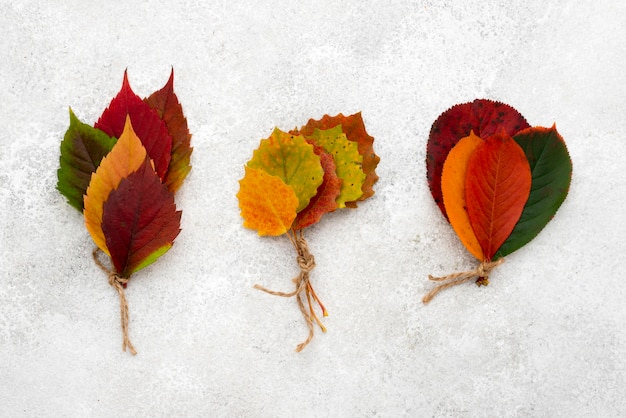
x=497, y=180
x=122, y=174
x=294, y=178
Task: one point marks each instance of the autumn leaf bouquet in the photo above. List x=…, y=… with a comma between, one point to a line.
x=122, y=174
x=496, y=179
x=294, y=178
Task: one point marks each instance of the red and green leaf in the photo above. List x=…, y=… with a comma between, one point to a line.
x=551, y=169
x=354, y=128
x=139, y=221
x=166, y=104
x=496, y=190
x=150, y=128
x=324, y=200
x=82, y=149
x=484, y=117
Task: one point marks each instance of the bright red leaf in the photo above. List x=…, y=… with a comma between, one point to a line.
x=146, y=123
x=139, y=220
x=484, y=117
x=496, y=190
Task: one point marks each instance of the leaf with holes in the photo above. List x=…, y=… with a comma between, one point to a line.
x=484, y=117
x=166, y=104
x=150, y=128
x=354, y=129
x=497, y=186
x=139, y=220
x=82, y=149
x=348, y=162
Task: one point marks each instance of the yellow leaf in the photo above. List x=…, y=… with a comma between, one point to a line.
x=453, y=187
x=126, y=157
x=267, y=204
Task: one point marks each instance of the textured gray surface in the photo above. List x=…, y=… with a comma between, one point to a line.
x=546, y=338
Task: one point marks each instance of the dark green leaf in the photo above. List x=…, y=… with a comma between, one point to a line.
x=551, y=169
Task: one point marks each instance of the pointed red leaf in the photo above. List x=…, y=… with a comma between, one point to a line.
x=497, y=186
x=324, y=201
x=167, y=106
x=139, y=220
x=354, y=128
x=484, y=117
x=146, y=123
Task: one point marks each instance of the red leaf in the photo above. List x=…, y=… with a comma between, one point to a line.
x=324, y=201
x=484, y=117
x=168, y=108
x=139, y=220
x=497, y=186
x=146, y=123
x=354, y=128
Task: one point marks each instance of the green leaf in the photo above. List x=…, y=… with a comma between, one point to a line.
x=348, y=162
x=551, y=169
x=82, y=149
x=293, y=160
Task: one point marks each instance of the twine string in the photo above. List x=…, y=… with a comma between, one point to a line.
x=118, y=282
x=306, y=262
x=482, y=272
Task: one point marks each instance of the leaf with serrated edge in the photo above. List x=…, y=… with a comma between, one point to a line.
x=139, y=221
x=496, y=189
x=293, y=160
x=267, y=204
x=354, y=128
x=166, y=104
x=324, y=200
x=348, y=162
x=453, y=188
x=551, y=169
x=82, y=149
x=147, y=124
x=484, y=117
x=126, y=156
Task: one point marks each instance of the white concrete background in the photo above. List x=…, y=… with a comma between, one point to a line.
x=546, y=338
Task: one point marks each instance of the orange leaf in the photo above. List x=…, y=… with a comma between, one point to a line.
x=126, y=157
x=496, y=189
x=453, y=188
x=267, y=204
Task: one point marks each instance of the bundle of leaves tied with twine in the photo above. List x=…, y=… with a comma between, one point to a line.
x=497, y=180
x=294, y=178
x=122, y=174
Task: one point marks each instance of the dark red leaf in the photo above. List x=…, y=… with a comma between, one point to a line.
x=139, y=220
x=484, y=117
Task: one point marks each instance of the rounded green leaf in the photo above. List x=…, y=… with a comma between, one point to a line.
x=551, y=169
x=348, y=162
x=293, y=160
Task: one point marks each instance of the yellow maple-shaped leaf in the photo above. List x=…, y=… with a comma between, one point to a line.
x=267, y=204
x=348, y=162
x=293, y=160
x=453, y=188
x=126, y=157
